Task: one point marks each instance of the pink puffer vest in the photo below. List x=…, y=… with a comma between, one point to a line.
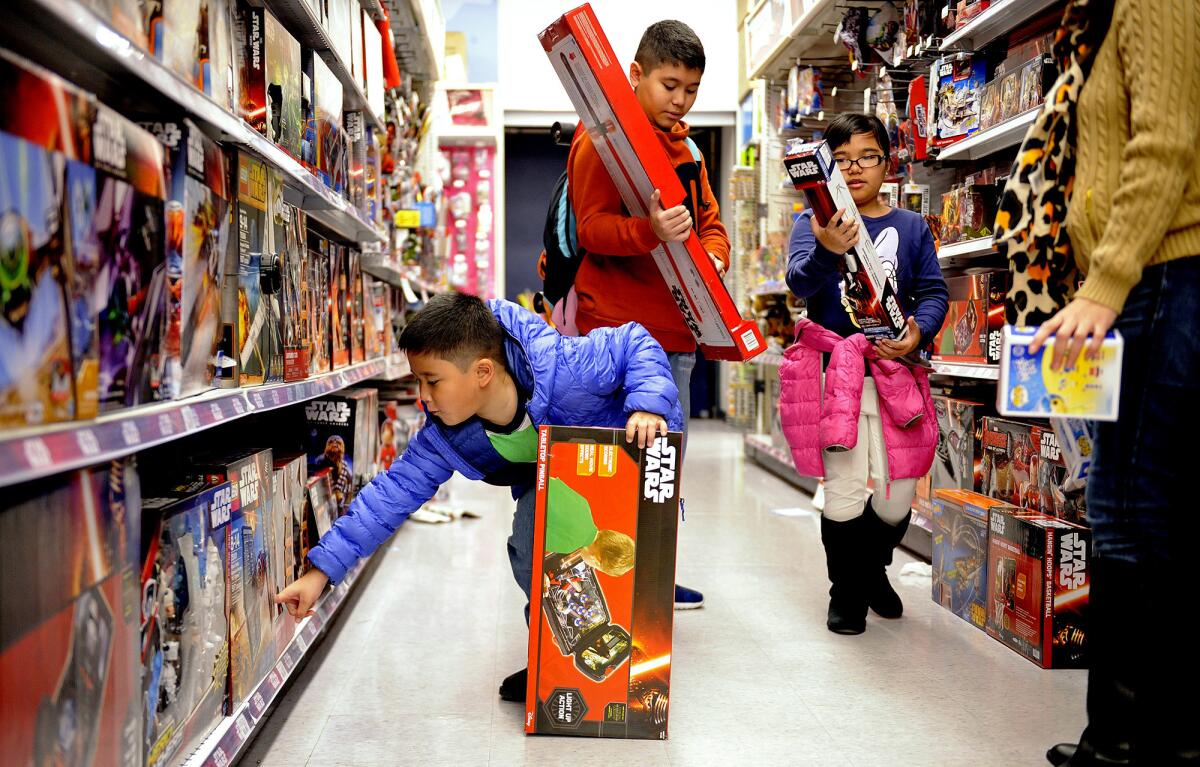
x=815, y=421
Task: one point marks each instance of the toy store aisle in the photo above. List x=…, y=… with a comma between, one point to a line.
x=409, y=675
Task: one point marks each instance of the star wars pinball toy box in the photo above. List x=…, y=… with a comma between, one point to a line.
x=198, y=228
x=603, y=584
x=960, y=552
x=251, y=602
x=185, y=615
x=975, y=321
x=254, y=307
x=1023, y=465
x=269, y=77
x=1038, y=587
x=51, y=131
x=69, y=619
x=869, y=291
x=598, y=86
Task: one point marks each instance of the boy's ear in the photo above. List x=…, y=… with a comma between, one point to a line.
x=635, y=74
x=485, y=371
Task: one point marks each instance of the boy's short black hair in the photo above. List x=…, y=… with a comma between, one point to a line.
x=670, y=42
x=848, y=124
x=457, y=328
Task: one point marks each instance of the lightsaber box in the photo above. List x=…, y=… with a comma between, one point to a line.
x=603, y=584
x=869, y=291
x=637, y=163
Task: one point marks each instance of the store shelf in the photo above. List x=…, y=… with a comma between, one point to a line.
x=760, y=449
x=1007, y=134
x=962, y=370
x=1002, y=17
x=302, y=23
x=419, y=32
x=396, y=368
x=805, y=32
x=28, y=454
x=231, y=737
x=128, y=79
x=965, y=249
x=918, y=539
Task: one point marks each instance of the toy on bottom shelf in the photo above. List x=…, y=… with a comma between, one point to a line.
x=1038, y=587
x=604, y=565
x=960, y=552
x=185, y=616
x=69, y=620
x=288, y=500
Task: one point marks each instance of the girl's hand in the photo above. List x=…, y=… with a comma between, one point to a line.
x=840, y=235
x=1071, y=327
x=644, y=426
x=890, y=350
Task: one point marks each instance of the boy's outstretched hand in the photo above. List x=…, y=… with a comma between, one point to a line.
x=644, y=426
x=301, y=595
x=673, y=225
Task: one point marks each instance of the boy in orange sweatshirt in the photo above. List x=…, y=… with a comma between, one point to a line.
x=618, y=281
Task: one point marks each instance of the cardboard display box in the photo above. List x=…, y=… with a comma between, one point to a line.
x=603, y=584
x=288, y=491
x=340, y=305
x=960, y=552
x=1038, y=587
x=972, y=330
x=599, y=88
x=341, y=436
x=1023, y=465
x=319, y=300
x=256, y=313
x=69, y=620
x=269, y=66
x=292, y=299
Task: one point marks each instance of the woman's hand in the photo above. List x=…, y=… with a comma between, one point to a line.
x=1071, y=328
x=840, y=235
x=890, y=350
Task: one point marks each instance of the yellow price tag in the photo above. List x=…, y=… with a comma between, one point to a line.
x=408, y=219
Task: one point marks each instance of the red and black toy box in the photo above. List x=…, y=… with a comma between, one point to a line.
x=609, y=111
x=971, y=332
x=1023, y=465
x=1038, y=587
x=603, y=584
x=70, y=691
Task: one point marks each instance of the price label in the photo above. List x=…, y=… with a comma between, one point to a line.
x=191, y=421
x=258, y=400
x=238, y=407
x=275, y=396
x=165, y=427
x=242, y=726
x=310, y=632
x=217, y=412
x=130, y=433
x=260, y=705
x=291, y=394
x=37, y=454
x=275, y=679
x=302, y=642
x=219, y=758
x=88, y=444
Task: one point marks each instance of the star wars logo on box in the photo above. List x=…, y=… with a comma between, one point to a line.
x=322, y=411
x=604, y=554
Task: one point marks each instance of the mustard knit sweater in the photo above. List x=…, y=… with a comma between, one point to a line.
x=1136, y=199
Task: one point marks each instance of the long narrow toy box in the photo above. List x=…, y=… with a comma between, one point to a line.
x=603, y=584
x=869, y=291
x=625, y=140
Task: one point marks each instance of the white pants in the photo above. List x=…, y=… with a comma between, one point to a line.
x=847, y=472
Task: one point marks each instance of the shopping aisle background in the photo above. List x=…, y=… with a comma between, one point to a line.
x=409, y=674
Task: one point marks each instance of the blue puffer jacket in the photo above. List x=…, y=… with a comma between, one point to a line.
x=595, y=380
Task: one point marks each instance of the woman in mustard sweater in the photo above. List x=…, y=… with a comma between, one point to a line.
x=1133, y=218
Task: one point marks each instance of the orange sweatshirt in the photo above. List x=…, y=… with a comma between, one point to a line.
x=618, y=281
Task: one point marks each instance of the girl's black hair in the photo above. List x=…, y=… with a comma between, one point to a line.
x=850, y=124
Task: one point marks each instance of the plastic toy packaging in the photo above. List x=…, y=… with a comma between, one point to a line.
x=1010, y=96
x=1031, y=86
x=960, y=83
x=951, y=216
x=1088, y=388
x=1075, y=440
x=883, y=33
x=989, y=105
x=975, y=214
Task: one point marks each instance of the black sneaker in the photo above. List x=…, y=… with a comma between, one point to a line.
x=513, y=687
x=687, y=599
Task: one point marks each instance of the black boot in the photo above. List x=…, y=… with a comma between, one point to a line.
x=1112, y=674
x=884, y=538
x=513, y=687
x=844, y=543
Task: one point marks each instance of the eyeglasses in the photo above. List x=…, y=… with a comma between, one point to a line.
x=869, y=161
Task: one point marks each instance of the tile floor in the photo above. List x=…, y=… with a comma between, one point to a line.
x=408, y=675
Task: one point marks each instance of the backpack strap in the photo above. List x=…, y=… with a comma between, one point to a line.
x=695, y=150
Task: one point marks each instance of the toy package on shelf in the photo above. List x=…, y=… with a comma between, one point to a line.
x=331, y=148
x=373, y=54
x=37, y=145
x=972, y=331
x=373, y=317
x=124, y=16
x=868, y=289
x=69, y=619
x=185, y=615
x=1075, y=439
x=255, y=312
x=624, y=139
x=1088, y=389
x=1038, y=587
x=217, y=73
x=354, y=284
x=957, y=100
x=340, y=436
x=319, y=302
x=1023, y=465
x=356, y=159
x=289, y=477
x=960, y=552
x=174, y=30
x=603, y=584
x=470, y=230
x=958, y=464
x=339, y=305
x=338, y=26
x=288, y=247
x=198, y=221
x=252, y=607
x=918, y=117
x=321, y=512
x=269, y=66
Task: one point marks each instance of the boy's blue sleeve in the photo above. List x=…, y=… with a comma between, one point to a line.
x=381, y=506
x=929, y=295
x=810, y=265
x=626, y=357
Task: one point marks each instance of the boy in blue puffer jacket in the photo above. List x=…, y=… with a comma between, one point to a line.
x=490, y=375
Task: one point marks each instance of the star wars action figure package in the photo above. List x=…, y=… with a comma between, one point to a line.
x=1088, y=389
x=958, y=461
x=869, y=291
x=319, y=515
x=37, y=143
x=320, y=304
x=599, y=88
x=958, y=99
x=358, y=340
x=198, y=228
x=340, y=305
x=1023, y=465
x=269, y=67
x=256, y=305
x=972, y=330
x=287, y=509
x=1038, y=587
x=603, y=584
x=960, y=552
x=340, y=435
x=69, y=619
x=1075, y=439
x=332, y=147
x=185, y=616
x=289, y=249
x=251, y=602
